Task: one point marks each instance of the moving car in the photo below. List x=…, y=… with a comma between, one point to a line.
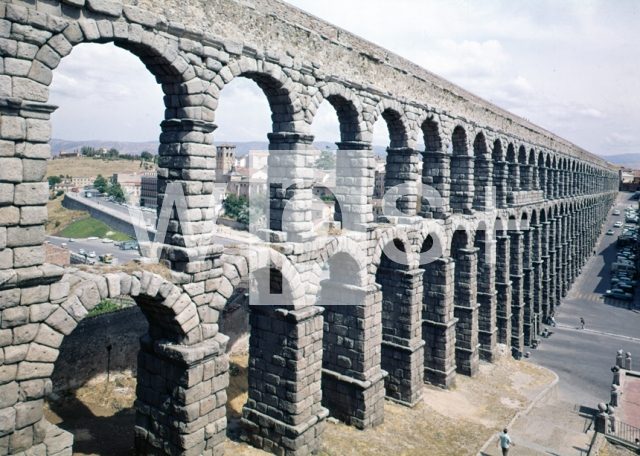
x=107, y=241
x=610, y=233
x=618, y=224
x=616, y=212
x=71, y=240
x=93, y=238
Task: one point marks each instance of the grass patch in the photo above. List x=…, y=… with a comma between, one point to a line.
x=61, y=217
x=91, y=227
x=105, y=307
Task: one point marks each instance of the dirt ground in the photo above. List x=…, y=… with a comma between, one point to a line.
x=57, y=213
x=455, y=422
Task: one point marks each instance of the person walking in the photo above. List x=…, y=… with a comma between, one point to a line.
x=582, y=322
x=552, y=320
x=505, y=442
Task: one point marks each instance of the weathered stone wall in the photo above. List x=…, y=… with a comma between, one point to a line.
x=306, y=361
x=104, y=341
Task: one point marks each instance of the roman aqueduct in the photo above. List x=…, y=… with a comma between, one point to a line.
x=518, y=213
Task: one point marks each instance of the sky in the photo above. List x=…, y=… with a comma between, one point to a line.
x=568, y=66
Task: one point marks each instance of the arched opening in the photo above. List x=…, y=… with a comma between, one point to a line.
x=503, y=282
x=435, y=172
x=500, y=173
x=350, y=368
x=461, y=199
x=401, y=168
x=525, y=171
x=513, y=181
x=487, y=330
x=465, y=302
x=110, y=111
x=482, y=175
x=542, y=175
x=243, y=117
x=438, y=332
x=535, y=183
x=336, y=130
x=516, y=253
x=527, y=277
x=402, y=351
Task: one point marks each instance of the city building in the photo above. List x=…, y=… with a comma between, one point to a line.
x=130, y=183
x=149, y=189
x=82, y=180
x=65, y=154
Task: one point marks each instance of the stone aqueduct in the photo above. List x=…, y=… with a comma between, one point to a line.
x=519, y=213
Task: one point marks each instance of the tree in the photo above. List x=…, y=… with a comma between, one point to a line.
x=327, y=160
x=88, y=151
x=146, y=155
x=233, y=205
x=53, y=180
x=116, y=191
x=101, y=184
x=113, y=153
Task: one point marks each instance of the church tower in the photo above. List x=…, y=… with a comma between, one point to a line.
x=225, y=158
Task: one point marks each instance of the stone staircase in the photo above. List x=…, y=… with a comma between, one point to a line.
x=555, y=428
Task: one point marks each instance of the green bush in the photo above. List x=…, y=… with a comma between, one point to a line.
x=105, y=307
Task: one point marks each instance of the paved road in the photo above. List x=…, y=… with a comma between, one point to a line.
x=120, y=211
x=96, y=246
x=583, y=359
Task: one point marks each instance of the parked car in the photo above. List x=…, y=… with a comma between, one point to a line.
x=82, y=252
x=71, y=240
x=93, y=238
x=619, y=294
x=91, y=254
x=107, y=241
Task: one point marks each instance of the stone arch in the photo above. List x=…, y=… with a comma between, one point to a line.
x=464, y=254
x=462, y=171
x=348, y=254
x=174, y=324
x=277, y=86
x=482, y=173
x=397, y=237
x=394, y=116
x=348, y=108
x=432, y=134
x=513, y=179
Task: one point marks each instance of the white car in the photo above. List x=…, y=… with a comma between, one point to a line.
x=82, y=252
x=93, y=238
x=610, y=233
x=616, y=212
x=107, y=241
x=91, y=254
x=618, y=224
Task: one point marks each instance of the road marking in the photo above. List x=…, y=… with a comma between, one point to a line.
x=618, y=336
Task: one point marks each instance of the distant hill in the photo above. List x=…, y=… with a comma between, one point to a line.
x=623, y=159
x=136, y=148
x=131, y=148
